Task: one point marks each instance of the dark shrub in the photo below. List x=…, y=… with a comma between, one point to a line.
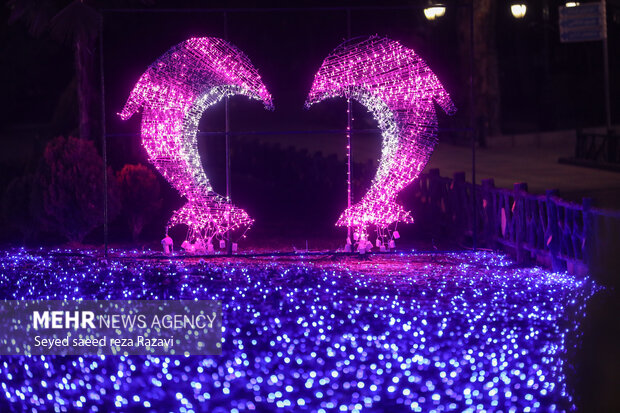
x=140, y=196
x=72, y=188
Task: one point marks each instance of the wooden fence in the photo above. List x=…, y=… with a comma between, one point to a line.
x=596, y=150
x=543, y=229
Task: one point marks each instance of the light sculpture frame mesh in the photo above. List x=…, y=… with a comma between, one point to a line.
x=173, y=93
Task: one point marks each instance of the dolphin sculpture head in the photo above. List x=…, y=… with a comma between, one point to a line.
x=195, y=67
x=381, y=67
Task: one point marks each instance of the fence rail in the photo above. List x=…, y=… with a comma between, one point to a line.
x=534, y=228
x=597, y=147
x=598, y=150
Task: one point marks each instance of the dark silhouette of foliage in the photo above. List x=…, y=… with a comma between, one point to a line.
x=485, y=65
x=79, y=24
x=72, y=188
x=140, y=196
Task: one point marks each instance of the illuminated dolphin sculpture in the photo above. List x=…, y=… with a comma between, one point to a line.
x=399, y=89
x=173, y=93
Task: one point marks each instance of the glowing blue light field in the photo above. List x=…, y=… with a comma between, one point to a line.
x=415, y=332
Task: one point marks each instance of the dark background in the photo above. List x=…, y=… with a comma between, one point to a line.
x=296, y=194
x=542, y=85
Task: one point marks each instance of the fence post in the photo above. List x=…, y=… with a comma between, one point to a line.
x=579, y=144
x=519, y=220
x=434, y=191
x=459, y=204
x=612, y=146
x=488, y=212
x=552, y=235
x=434, y=203
x=588, y=233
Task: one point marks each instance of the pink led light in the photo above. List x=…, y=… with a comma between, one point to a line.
x=173, y=93
x=399, y=89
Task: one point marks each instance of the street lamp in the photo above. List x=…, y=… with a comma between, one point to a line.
x=434, y=10
x=518, y=10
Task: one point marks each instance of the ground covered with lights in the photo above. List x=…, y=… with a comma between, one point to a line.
x=411, y=332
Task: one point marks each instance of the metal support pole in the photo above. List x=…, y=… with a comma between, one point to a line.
x=472, y=128
x=227, y=135
x=349, y=192
x=349, y=130
x=104, y=146
x=606, y=69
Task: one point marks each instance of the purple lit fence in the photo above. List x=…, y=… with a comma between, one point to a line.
x=534, y=228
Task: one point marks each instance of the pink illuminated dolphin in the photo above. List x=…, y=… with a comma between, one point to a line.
x=173, y=93
x=399, y=89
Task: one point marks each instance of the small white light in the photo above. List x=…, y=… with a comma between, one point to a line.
x=572, y=3
x=518, y=10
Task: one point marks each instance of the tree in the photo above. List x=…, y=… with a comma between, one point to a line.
x=486, y=72
x=72, y=188
x=140, y=196
x=80, y=24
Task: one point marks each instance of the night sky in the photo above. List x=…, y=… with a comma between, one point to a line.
x=288, y=46
x=289, y=174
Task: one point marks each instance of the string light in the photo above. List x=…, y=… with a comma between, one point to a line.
x=399, y=89
x=173, y=93
x=418, y=332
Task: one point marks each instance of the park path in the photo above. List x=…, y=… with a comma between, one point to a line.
x=537, y=166
x=530, y=158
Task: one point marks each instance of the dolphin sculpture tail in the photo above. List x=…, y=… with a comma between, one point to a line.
x=370, y=211
x=222, y=216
